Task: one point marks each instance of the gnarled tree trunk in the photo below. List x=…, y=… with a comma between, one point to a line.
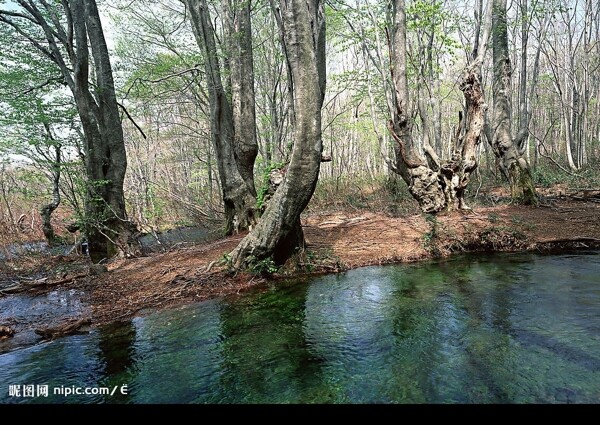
x=513, y=165
x=436, y=185
x=279, y=231
x=237, y=187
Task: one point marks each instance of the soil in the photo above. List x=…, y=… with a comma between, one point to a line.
x=335, y=242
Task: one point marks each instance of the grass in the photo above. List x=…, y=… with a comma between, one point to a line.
x=383, y=194
x=389, y=194
x=547, y=175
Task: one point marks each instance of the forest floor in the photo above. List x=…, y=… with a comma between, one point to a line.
x=335, y=242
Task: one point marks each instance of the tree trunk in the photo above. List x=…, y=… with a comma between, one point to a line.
x=436, y=185
x=238, y=199
x=47, y=210
x=241, y=64
x=514, y=166
x=106, y=225
x=279, y=232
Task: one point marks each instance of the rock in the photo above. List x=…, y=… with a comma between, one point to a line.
x=6, y=332
x=96, y=269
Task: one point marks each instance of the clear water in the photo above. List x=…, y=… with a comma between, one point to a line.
x=51, y=308
x=511, y=328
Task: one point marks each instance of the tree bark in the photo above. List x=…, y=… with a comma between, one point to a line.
x=514, y=166
x=67, y=26
x=239, y=195
x=108, y=230
x=47, y=210
x=239, y=34
x=436, y=185
x=279, y=232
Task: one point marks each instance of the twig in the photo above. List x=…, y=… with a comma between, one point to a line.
x=541, y=144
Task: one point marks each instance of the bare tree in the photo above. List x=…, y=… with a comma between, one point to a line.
x=437, y=185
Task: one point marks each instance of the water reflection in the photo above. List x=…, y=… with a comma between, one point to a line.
x=265, y=354
x=502, y=329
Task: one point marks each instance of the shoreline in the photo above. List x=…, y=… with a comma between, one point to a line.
x=336, y=242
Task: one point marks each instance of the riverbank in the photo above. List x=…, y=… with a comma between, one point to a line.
x=335, y=242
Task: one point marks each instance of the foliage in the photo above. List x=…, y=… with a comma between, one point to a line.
x=549, y=174
x=430, y=238
x=264, y=267
x=263, y=191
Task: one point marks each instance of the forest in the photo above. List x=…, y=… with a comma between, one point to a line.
x=172, y=114
x=297, y=137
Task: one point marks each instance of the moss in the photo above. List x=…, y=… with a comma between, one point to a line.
x=521, y=184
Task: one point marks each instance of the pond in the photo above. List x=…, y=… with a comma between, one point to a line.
x=476, y=329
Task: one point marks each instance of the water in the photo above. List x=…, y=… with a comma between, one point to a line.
x=32, y=248
x=174, y=237
x=510, y=328
x=51, y=309
x=162, y=241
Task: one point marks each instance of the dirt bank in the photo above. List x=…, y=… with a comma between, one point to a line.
x=335, y=242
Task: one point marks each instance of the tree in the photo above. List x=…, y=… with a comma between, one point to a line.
x=61, y=32
x=512, y=163
x=37, y=123
x=436, y=185
x=238, y=32
x=233, y=129
x=279, y=231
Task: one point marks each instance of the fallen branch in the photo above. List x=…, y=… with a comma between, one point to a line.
x=64, y=329
x=331, y=222
x=41, y=283
x=583, y=198
x=67, y=279
x=12, y=290
x=571, y=240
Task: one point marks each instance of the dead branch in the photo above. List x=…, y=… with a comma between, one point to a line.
x=69, y=328
x=132, y=120
x=541, y=145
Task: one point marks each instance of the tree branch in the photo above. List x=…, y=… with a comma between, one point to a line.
x=42, y=85
x=132, y=120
